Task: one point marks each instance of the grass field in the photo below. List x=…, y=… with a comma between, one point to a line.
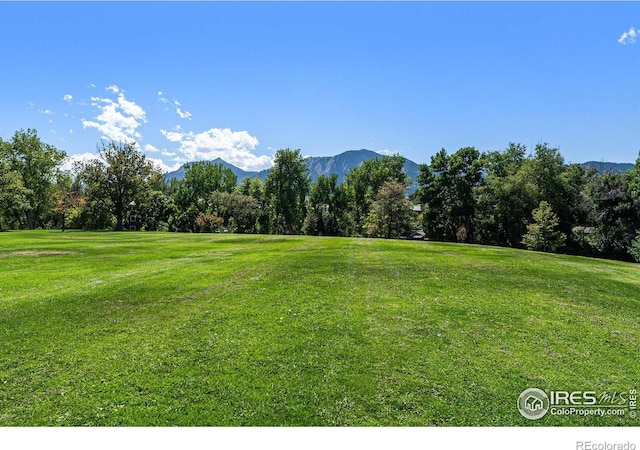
x=179, y=329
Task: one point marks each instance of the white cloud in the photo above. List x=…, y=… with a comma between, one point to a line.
x=113, y=88
x=234, y=147
x=131, y=108
x=172, y=136
x=183, y=114
x=630, y=36
x=81, y=157
x=387, y=152
x=92, y=85
x=47, y=112
x=67, y=97
x=163, y=166
x=151, y=148
x=162, y=99
x=70, y=131
x=119, y=120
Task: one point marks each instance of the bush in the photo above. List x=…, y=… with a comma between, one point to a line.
x=208, y=223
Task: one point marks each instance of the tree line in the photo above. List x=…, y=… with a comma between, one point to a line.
x=509, y=197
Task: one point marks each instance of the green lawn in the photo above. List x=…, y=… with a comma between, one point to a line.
x=200, y=329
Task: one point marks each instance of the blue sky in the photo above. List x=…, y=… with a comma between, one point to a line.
x=238, y=80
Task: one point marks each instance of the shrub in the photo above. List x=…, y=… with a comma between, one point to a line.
x=208, y=223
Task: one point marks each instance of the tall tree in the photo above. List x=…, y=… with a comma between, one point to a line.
x=155, y=205
x=204, y=177
x=37, y=164
x=365, y=181
x=119, y=177
x=447, y=192
x=66, y=197
x=286, y=189
x=254, y=187
x=390, y=216
x=328, y=208
x=548, y=173
x=613, y=214
x=13, y=193
x=505, y=199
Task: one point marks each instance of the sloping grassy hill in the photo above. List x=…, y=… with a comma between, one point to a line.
x=179, y=329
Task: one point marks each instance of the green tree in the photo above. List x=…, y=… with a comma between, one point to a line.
x=634, y=179
x=286, y=189
x=366, y=180
x=190, y=194
x=204, y=177
x=37, y=164
x=122, y=175
x=67, y=197
x=251, y=186
x=154, y=210
x=239, y=212
x=554, y=183
x=446, y=189
x=390, y=214
x=634, y=248
x=254, y=187
x=505, y=198
x=13, y=194
x=543, y=234
x=328, y=208
x=613, y=214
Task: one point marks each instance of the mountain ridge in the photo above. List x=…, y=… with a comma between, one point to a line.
x=342, y=163
x=608, y=167
x=339, y=164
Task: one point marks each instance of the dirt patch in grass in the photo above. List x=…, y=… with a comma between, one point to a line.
x=32, y=253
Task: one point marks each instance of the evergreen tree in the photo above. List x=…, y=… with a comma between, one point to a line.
x=543, y=234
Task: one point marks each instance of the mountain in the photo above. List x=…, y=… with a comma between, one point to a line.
x=241, y=174
x=324, y=165
x=608, y=167
x=341, y=164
